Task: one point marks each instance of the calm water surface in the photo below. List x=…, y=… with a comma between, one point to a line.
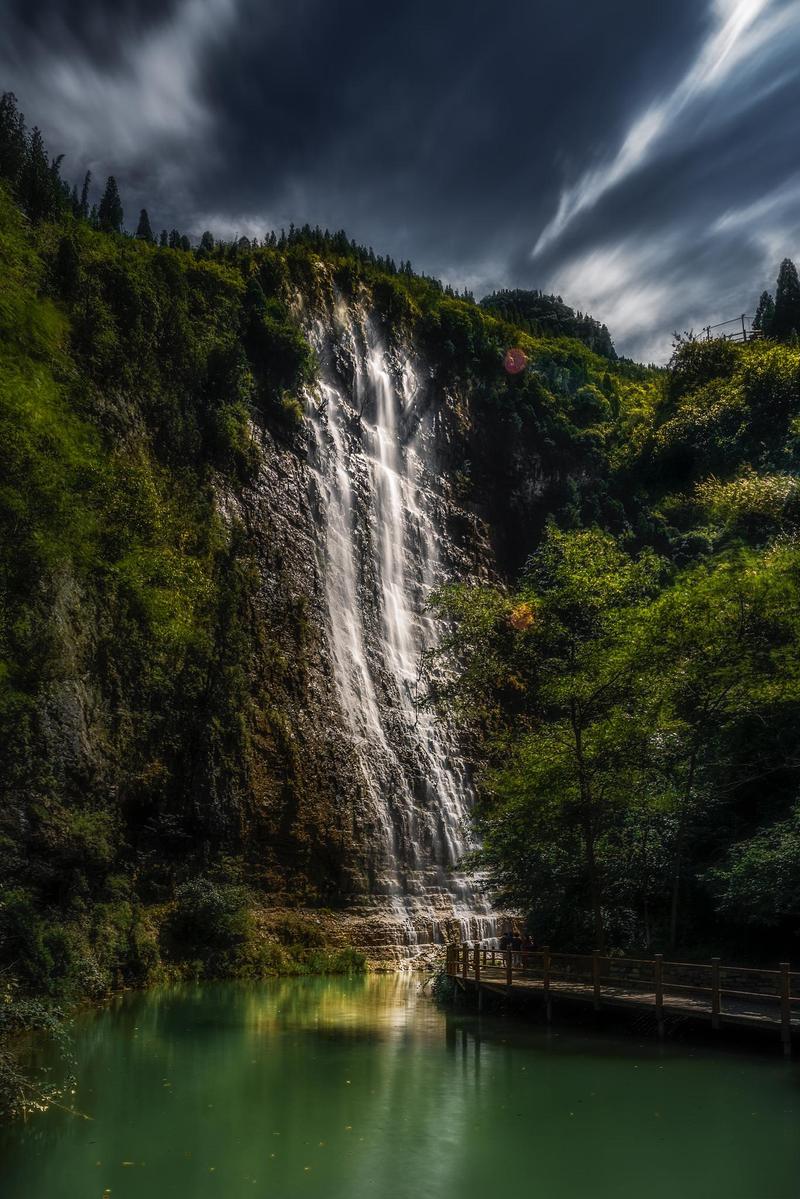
x=361, y=1089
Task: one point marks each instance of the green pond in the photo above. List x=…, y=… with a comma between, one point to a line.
x=362, y=1089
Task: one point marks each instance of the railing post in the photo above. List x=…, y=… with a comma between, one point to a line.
x=715, y=1003
x=478, y=952
x=658, y=966
x=509, y=969
x=786, y=1008
x=596, y=978
x=744, y=331
x=546, y=981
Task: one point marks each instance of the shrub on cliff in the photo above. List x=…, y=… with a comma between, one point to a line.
x=210, y=925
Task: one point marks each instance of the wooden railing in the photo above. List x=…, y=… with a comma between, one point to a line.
x=731, y=994
x=740, y=332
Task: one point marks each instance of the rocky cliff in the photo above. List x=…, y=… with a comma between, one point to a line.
x=235, y=481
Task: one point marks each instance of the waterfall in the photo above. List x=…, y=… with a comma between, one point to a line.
x=383, y=549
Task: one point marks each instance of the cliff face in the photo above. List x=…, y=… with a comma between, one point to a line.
x=234, y=483
x=355, y=795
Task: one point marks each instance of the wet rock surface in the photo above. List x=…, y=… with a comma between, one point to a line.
x=357, y=796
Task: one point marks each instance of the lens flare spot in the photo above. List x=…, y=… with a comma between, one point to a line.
x=515, y=360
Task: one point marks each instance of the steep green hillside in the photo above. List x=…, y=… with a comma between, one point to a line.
x=639, y=689
x=157, y=649
x=539, y=314
x=632, y=678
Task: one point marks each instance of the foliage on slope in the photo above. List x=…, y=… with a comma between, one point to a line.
x=544, y=315
x=134, y=377
x=638, y=690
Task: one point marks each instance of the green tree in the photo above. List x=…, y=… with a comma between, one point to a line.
x=786, y=320
x=552, y=674
x=84, y=201
x=765, y=314
x=144, y=229
x=67, y=268
x=760, y=878
x=712, y=643
x=110, y=214
x=13, y=141
x=36, y=180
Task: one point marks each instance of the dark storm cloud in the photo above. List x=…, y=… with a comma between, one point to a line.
x=634, y=157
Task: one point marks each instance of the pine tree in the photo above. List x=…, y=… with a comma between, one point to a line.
x=787, y=302
x=174, y=239
x=67, y=268
x=144, y=230
x=163, y=240
x=765, y=314
x=13, y=142
x=87, y=183
x=36, y=181
x=110, y=213
x=207, y=242
x=185, y=243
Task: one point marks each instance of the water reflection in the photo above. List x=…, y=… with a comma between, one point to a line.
x=348, y=1088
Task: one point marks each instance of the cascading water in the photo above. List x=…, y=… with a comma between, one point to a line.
x=382, y=552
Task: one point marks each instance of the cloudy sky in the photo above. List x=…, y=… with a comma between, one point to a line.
x=640, y=159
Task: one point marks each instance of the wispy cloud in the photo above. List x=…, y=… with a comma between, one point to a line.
x=414, y=133
x=147, y=100
x=630, y=283
x=741, y=28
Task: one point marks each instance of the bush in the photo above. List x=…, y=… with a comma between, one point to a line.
x=209, y=924
x=296, y=931
x=24, y=1090
x=40, y=952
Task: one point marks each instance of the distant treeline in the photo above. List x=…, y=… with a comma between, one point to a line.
x=543, y=315
x=37, y=185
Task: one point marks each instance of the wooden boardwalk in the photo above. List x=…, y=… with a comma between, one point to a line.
x=708, y=991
